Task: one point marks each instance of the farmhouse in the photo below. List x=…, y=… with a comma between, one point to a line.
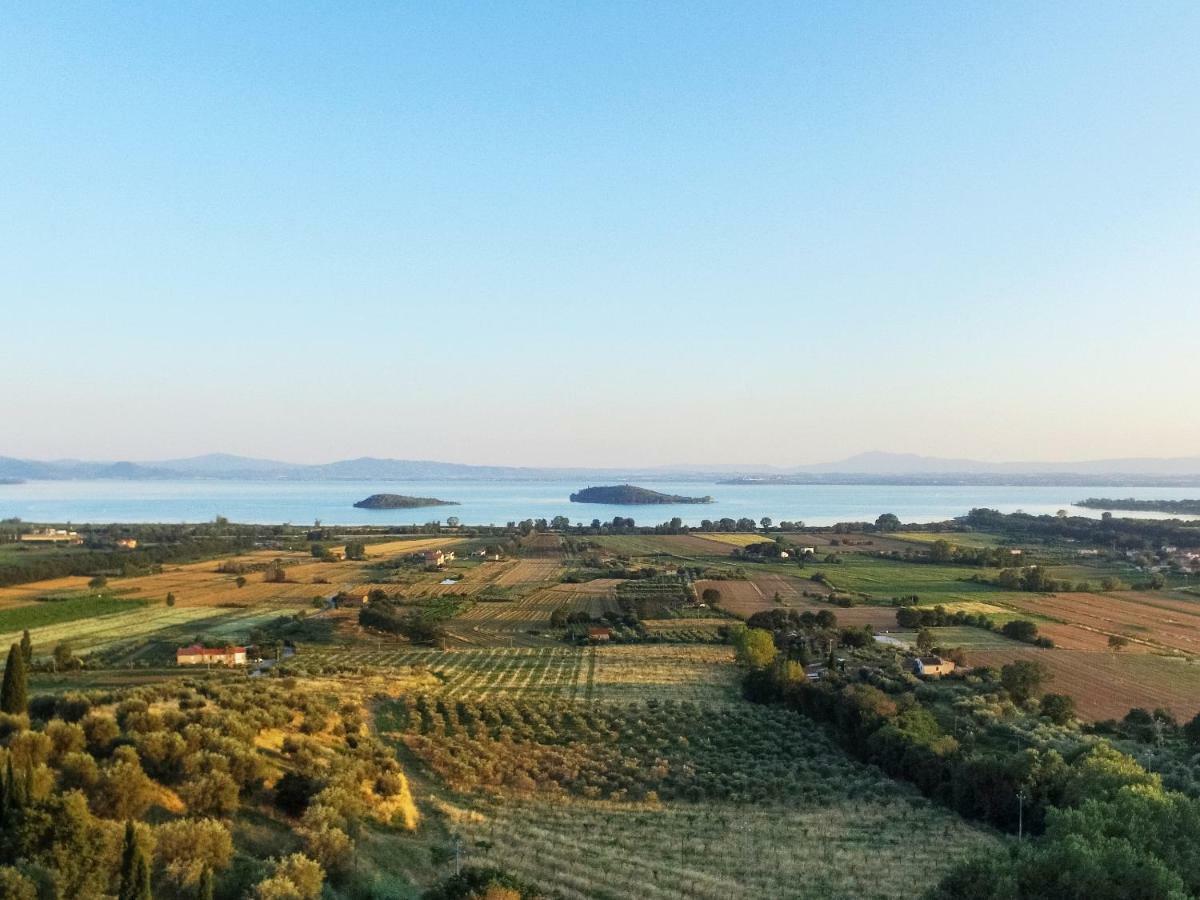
x=933, y=665
x=438, y=557
x=599, y=633
x=127, y=543
x=197, y=655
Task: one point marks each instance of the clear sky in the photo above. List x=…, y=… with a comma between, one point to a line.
x=600, y=233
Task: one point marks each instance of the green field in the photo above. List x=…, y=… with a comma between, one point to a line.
x=57, y=612
x=972, y=539
x=882, y=578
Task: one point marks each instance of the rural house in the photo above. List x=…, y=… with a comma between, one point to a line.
x=599, y=633
x=197, y=655
x=933, y=665
x=127, y=543
x=438, y=557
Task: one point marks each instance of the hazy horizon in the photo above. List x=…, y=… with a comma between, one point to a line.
x=601, y=236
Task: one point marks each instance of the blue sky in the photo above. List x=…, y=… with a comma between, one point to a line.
x=619, y=233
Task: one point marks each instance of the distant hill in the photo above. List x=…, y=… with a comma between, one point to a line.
x=865, y=468
x=1177, y=507
x=629, y=495
x=400, y=501
x=879, y=463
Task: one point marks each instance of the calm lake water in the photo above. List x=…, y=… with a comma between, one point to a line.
x=486, y=503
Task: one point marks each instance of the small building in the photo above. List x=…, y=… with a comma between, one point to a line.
x=438, y=557
x=926, y=666
x=808, y=551
x=197, y=655
x=598, y=633
x=127, y=543
x=783, y=554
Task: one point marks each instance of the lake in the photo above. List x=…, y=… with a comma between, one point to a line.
x=487, y=503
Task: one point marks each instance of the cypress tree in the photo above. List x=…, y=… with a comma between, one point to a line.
x=13, y=696
x=27, y=648
x=135, y=869
x=12, y=789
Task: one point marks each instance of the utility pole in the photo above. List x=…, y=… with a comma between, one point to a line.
x=1021, y=798
x=457, y=855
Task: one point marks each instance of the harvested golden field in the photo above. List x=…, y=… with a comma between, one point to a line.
x=1159, y=623
x=403, y=547
x=1107, y=685
x=21, y=594
x=734, y=539
x=531, y=571
x=743, y=598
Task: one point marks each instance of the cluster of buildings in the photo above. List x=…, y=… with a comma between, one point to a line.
x=65, y=536
x=52, y=536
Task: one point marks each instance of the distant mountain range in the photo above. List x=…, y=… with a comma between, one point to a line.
x=864, y=468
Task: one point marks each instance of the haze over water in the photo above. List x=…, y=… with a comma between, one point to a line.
x=486, y=503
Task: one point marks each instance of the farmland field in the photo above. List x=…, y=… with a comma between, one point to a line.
x=883, y=578
x=612, y=673
x=531, y=571
x=722, y=789
x=686, y=546
x=717, y=851
x=973, y=539
x=1154, y=622
x=1106, y=685
x=44, y=615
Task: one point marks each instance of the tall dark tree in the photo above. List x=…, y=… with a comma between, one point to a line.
x=135, y=869
x=27, y=647
x=14, y=697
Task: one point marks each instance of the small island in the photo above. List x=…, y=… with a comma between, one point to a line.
x=1177, y=507
x=399, y=501
x=630, y=495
